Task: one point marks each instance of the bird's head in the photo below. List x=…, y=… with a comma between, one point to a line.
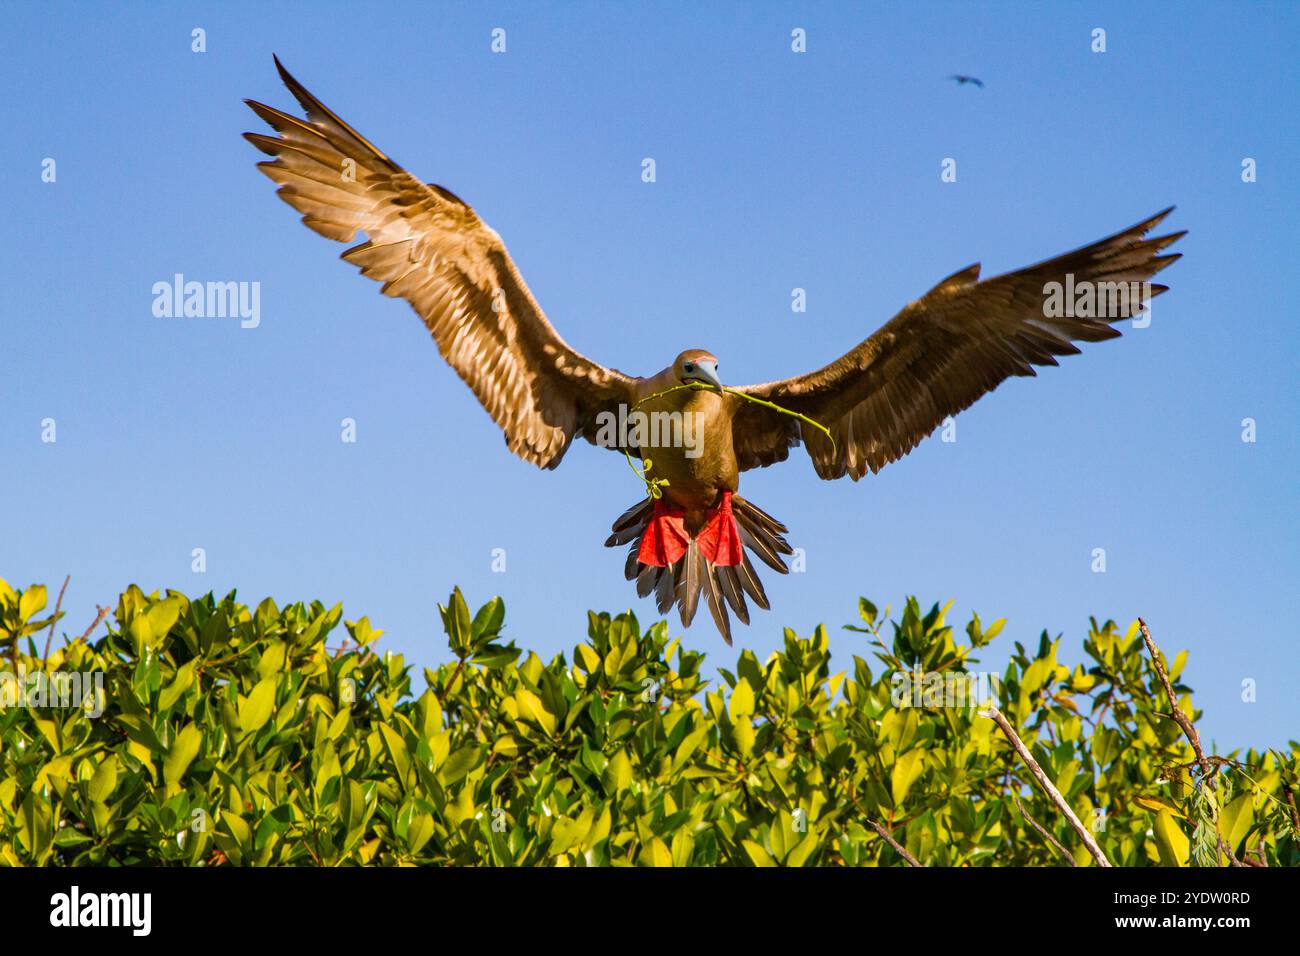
x=697, y=365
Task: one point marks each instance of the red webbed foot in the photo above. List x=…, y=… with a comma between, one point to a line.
x=665, y=539
x=719, y=540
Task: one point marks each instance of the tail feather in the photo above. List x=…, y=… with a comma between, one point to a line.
x=766, y=532
x=754, y=511
x=665, y=590
x=624, y=535
x=648, y=579
x=749, y=580
x=713, y=594
x=688, y=583
x=636, y=516
x=724, y=587
x=730, y=584
x=762, y=546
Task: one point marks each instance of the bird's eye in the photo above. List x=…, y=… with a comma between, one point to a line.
x=688, y=367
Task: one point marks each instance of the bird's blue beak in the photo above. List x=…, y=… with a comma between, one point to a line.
x=707, y=373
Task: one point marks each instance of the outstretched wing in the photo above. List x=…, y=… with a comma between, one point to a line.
x=960, y=340
x=428, y=247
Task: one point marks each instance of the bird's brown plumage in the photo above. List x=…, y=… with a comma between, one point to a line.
x=937, y=356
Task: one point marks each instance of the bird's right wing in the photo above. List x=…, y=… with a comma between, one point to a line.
x=430, y=248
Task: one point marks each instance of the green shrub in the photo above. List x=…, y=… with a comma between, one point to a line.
x=226, y=735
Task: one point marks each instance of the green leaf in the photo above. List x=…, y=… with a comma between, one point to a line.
x=354, y=804
x=1171, y=841
x=362, y=632
x=457, y=624
x=618, y=772
x=32, y=601
x=1156, y=804
x=531, y=706
x=906, y=770
x=256, y=709
x=743, y=732
x=587, y=658
x=459, y=764
x=37, y=826
x=495, y=656
x=488, y=621
x=185, y=747
x=799, y=855
x=757, y=854
x=867, y=611
x=397, y=750
x=141, y=731
x=162, y=616
x=742, y=700
x=1235, y=820
x=419, y=832
x=237, y=827
x=655, y=853
x=180, y=684
x=104, y=781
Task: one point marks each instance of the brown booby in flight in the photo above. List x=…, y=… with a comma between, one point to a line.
x=934, y=358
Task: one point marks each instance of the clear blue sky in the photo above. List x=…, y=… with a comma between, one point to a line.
x=775, y=171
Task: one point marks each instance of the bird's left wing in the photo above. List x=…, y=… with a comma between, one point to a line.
x=942, y=352
x=430, y=248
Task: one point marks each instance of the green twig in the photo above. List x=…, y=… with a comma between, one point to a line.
x=785, y=411
x=655, y=486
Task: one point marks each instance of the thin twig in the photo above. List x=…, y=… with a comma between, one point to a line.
x=881, y=831
x=58, y=606
x=1208, y=765
x=1020, y=748
x=1177, y=712
x=442, y=700
x=784, y=411
x=1223, y=848
x=898, y=847
x=95, y=623
x=1290, y=799
x=1043, y=831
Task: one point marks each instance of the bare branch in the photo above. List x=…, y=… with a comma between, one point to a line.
x=58, y=606
x=1176, y=712
x=997, y=716
x=1223, y=848
x=95, y=623
x=1290, y=799
x=1043, y=832
x=1208, y=765
x=898, y=847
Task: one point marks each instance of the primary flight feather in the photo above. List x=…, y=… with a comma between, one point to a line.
x=937, y=356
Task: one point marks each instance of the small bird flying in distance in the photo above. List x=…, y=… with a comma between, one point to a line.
x=962, y=79
x=694, y=539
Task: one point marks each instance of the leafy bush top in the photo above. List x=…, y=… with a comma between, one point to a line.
x=230, y=735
